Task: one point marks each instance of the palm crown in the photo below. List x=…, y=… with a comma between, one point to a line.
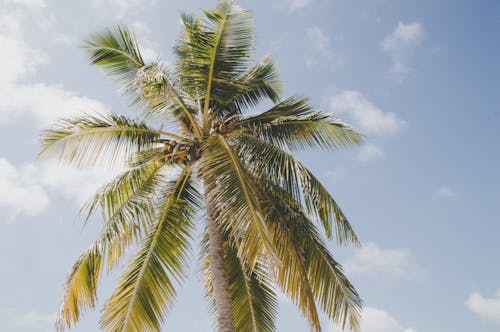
x=261, y=202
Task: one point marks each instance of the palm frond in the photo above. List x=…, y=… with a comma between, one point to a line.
x=309, y=274
x=117, y=51
x=98, y=140
x=127, y=202
x=146, y=289
x=293, y=124
x=154, y=87
x=214, y=52
x=128, y=207
x=258, y=83
x=81, y=285
x=229, y=186
x=253, y=299
x=268, y=161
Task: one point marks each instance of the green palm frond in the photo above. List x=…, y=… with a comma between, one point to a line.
x=309, y=274
x=257, y=84
x=253, y=299
x=154, y=87
x=268, y=161
x=214, y=52
x=99, y=140
x=147, y=289
x=81, y=286
x=293, y=124
x=117, y=51
x=239, y=212
x=127, y=203
x=128, y=207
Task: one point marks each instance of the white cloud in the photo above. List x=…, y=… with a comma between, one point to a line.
x=35, y=320
x=31, y=320
x=20, y=194
x=17, y=60
x=297, y=4
x=40, y=102
x=486, y=308
x=33, y=4
x=121, y=8
x=26, y=190
x=319, y=41
x=377, y=320
x=43, y=103
x=364, y=115
x=369, y=152
x=149, y=48
x=337, y=173
x=320, y=50
x=444, y=192
x=77, y=184
x=396, y=264
x=403, y=36
x=399, y=45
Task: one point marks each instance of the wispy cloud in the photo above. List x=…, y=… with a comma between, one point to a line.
x=27, y=189
x=297, y=4
x=36, y=101
x=444, y=192
x=319, y=41
x=35, y=320
x=398, y=264
x=399, y=44
x=33, y=4
x=320, y=51
x=369, y=152
x=486, y=308
x=337, y=173
x=149, y=48
x=377, y=320
x=121, y=8
x=364, y=115
x=18, y=194
x=31, y=320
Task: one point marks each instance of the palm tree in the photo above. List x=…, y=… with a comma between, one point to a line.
x=194, y=149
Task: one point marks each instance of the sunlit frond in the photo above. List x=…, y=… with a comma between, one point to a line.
x=293, y=124
x=308, y=273
x=154, y=87
x=128, y=207
x=269, y=161
x=98, y=140
x=257, y=84
x=81, y=285
x=253, y=299
x=229, y=185
x=116, y=50
x=127, y=203
x=147, y=288
x=213, y=53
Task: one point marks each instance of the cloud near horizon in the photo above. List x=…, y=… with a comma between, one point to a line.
x=486, y=308
x=377, y=320
x=395, y=264
x=27, y=189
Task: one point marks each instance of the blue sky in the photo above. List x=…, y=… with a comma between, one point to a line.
x=419, y=78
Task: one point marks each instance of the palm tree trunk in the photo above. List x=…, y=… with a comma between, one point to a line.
x=223, y=311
